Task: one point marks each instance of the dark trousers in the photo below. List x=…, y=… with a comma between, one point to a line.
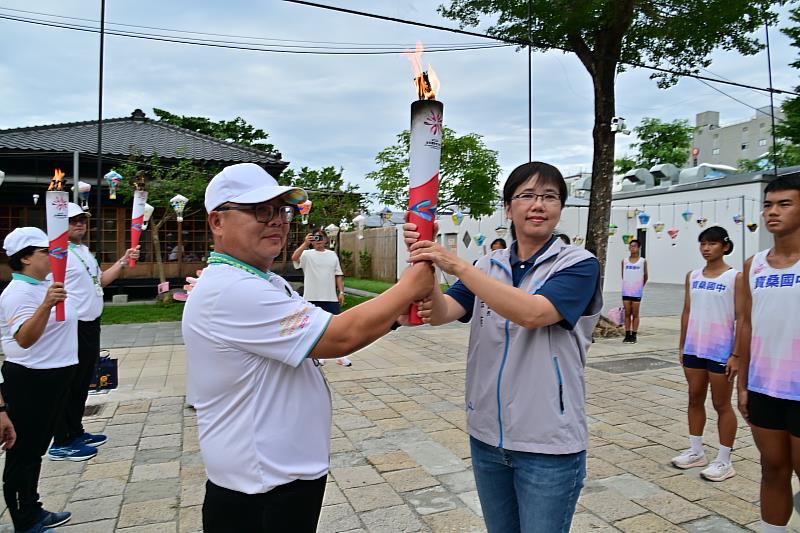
x=69, y=423
x=33, y=398
x=332, y=307
x=290, y=508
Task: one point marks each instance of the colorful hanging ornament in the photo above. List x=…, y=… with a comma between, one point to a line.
x=632, y=213
x=304, y=208
x=753, y=226
x=458, y=217
x=360, y=221
x=612, y=230
x=113, y=178
x=332, y=230
x=501, y=231
x=702, y=221
x=673, y=234
x=644, y=219
x=577, y=240
x=84, y=192
x=178, y=203
x=687, y=215
x=386, y=215
x=627, y=238
x=659, y=228
x=148, y=214
x=738, y=219
x=479, y=239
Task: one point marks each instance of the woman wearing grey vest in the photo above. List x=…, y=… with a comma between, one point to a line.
x=532, y=308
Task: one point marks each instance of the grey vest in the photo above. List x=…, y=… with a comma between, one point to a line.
x=525, y=389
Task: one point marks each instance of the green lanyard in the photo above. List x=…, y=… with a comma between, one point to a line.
x=217, y=258
x=95, y=278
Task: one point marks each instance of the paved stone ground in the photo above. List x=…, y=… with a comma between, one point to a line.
x=399, y=451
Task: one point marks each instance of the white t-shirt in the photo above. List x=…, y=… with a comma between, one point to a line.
x=58, y=345
x=82, y=282
x=319, y=275
x=263, y=407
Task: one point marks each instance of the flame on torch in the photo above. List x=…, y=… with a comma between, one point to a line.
x=426, y=81
x=55, y=183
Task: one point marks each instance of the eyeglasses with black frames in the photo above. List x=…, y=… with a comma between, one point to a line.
x=264, y=213
x=548, y=198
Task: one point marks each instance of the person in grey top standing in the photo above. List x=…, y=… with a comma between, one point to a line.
x=531, y=308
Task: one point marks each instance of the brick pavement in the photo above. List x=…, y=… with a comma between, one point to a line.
x=399, y=451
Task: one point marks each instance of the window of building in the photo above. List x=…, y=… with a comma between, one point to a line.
x=762, y=142
x=744, y=146
x=715, y=151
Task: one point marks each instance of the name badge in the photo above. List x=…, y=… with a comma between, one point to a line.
x=97, y=287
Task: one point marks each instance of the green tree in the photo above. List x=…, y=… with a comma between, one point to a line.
x=468, y=175
x=624, y=164
x=605, y=35
x=162, y=182
x=237, y=131
x=662, y=142
x=331, y=198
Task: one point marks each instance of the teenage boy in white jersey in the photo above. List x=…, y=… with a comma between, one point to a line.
x=263, y=406
x=634, y=278
x=85, y=282
x=769, y=344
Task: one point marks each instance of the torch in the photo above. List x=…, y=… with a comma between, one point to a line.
x=424, y=154
x=137, y=217
x=57, y=202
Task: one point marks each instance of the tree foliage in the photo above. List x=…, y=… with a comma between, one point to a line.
x=662, y=142
x=468, y=175
x=237, y=131
x=605, y=35
x=331, y=198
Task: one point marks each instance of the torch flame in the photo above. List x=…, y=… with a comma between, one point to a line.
x=426, y=82
x=55, y=183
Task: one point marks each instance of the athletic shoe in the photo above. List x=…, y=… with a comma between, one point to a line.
x=38, y=527
x=633, y=338
x=689, y=459
x=344, y=361
x=718, y=471
x=74, y=451
x=92, y=439
x=50, y=519
x=627, y=337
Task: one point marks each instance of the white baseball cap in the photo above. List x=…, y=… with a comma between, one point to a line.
x=21, y=238
x=74, y=210
x=248, y=183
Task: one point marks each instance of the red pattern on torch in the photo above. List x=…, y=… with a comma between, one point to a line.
x=56, y=205
x=137, y=219
x=423, y=168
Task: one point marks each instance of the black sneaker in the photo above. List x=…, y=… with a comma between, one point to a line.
x=627, y=337
x=51, y=519
x=633, y=338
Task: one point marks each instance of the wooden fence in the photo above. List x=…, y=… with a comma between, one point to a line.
x=380, y=244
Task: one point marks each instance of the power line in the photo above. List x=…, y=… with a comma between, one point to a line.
x=525, y=43
x=239, y=46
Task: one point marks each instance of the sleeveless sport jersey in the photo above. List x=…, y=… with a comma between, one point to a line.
x=775, y=343
x=633, y=277
x=712, y=316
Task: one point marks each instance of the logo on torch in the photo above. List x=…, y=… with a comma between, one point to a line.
x=434, y=120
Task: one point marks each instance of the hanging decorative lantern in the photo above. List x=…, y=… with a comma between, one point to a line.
x=632, y=213
x=332, y=230
x=644, y=219
x=148, y=213
x=178, y=203
x=113, y=178
x=738, y=219
x=659, y=228
x=577, y=240
x=305, y=209
x=386, y=215
x=360, y=221
x=687, y=215
x=84, y=190
x=501, y=231
x=673, y=234
x=458, y=217
x=753, y=226
x=612, y=230
x=479, y=239
x=702, y=221
x=35, y=199
x=627, y=238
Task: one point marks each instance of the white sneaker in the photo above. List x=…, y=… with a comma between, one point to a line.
x=689, y=459
x=344, y=361
x=718, y=471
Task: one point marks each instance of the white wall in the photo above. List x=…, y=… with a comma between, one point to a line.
x=669, y=260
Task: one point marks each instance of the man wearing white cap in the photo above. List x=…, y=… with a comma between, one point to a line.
x=263, y=406
x=41, y=356
x=85, y=282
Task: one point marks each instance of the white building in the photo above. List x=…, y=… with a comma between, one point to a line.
x=726, y=145
x=677, y=205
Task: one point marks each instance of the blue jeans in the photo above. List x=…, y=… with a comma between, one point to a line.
x=527, y=492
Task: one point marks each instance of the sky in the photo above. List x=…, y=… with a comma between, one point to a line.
x=322, y=110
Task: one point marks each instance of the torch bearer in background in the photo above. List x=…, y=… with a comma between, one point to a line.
x=57, y=202
x=137, y=217
x=424, y=153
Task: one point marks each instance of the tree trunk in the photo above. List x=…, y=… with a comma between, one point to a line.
x=157, y=251
x=602, y=162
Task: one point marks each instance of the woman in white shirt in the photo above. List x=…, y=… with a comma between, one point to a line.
x=40, y=357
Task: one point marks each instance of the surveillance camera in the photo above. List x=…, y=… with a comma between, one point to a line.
x=618, y=125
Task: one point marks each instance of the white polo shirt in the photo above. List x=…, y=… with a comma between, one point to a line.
x=319, y=275
x=58, y=345
x=263, y=407
x=82, y=282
